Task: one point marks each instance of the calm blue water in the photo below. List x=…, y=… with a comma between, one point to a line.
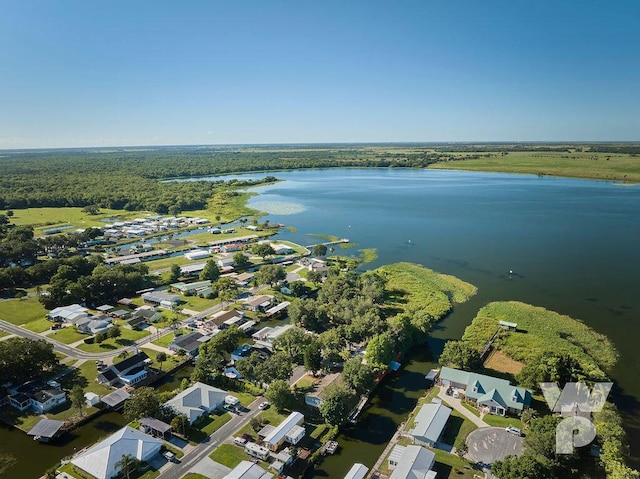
x=572, y=244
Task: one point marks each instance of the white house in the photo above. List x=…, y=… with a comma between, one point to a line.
x=290, y=430
x=91, y=399
x=68, y=314
x=100, y=460
x=267, y=335
x=429, y=424
x=411, y=462
x=197, y=254
x=37, y=396
x=194, y=401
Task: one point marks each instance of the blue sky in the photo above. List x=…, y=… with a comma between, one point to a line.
x=83, y=73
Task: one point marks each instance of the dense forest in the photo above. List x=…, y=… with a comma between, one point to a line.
x=131, y=179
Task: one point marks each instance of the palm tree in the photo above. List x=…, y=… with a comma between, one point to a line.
x=127, y=464
x=161, y=357
x=174, y=321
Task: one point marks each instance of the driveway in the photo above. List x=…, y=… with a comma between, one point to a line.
x=491, y=444
x=456, y=404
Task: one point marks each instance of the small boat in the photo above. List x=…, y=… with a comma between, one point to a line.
x=330, y=447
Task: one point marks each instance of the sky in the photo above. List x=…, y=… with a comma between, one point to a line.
x=125, y=73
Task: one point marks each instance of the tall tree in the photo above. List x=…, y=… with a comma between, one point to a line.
x=240, y=260
x=293, y=342
x=22, y=359
x=337, y=403
x=358, y=376
x=211, y=272
x=77, y=397
x=270, y=274
x=279, y=394
x=263, y=250
x=161, y=357
x=144, y=402
x=319, y=250
x=313, y=357
x=227, y=289
x=176, y=272
x=380, y=351
x=460, y=354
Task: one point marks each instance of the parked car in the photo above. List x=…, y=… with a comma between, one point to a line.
x=239, y=441
x=513, y=430
x=264, y=405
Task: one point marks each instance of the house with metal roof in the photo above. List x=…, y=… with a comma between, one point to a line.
x=411, y=462
x=190, y=342
x=198, y=399
x=491, y=395
x=68, y=314
x=357, y=471
x=289, y=430
x=248, y=470
x=160, y=298
x=430, y=423
x=100, y=460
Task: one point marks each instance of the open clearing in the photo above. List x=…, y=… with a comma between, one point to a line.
x=498, y=361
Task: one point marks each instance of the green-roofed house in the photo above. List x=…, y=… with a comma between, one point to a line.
x=488, y=394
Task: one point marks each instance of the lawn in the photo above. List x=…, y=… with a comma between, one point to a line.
x=599, y=166
x=85, y=376
x=38, y=326
x=68, y=335
x=208, y=424
x=458, y=428
x=172, y=360
x=44, y=218
x=499, y=421
x=193, y=475
x=21, y=311
x=198, y=304
x=229, y=455
x=167, y=339
x=127, y=338
x=451, y=466
x=269, y=416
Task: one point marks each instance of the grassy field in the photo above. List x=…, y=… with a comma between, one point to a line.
x=167, y=339
x=541, y=330
x=601, y=166
x=229, y=455
x=498, y=361
x=417, y=288
x=127, y=338
x=207, y=425
x=43, y=218
x=229, y=207
x=22, y=311
x=39, y=325
x=68, y=335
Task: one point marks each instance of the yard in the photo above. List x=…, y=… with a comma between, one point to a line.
x=43, y=218
x=21, y=311
x=38, y=326
x=167, y=339
x=208, y=424
x=68, y=335
x=127, y=338
x=229, y=455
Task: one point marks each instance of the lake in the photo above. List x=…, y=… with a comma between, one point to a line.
x=572, y=244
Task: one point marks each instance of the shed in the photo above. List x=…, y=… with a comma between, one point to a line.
x=155, y=427
x=509, y=326
x=91, y=399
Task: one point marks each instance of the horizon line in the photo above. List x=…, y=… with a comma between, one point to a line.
x=329, y=143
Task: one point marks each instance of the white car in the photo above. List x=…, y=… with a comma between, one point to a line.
x=240, y=441
x=264, y=405
x=513, y=430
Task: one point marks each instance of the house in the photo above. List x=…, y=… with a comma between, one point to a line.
x=257, y=451
x=243, y=279
x=192, y=269
x=194, y=401
x=280, y=248
x=158, y=298
x=218, y=319
x=129, y=371
x=120, y=314
x=314, y=264
x=230, y=248
x=191, y=288
x=144, y=315
x=267, y=335
x=94, y=324
x=357, y=471
x=290, y=430
x=100, y=460
x=36, y=396
x=68, y=314
x=190, y=342
x=411, y=462
x=488, y=394
x=197, y=254
x=429, y=424
x=257, y=303
x=313, y=398
x=225, y=261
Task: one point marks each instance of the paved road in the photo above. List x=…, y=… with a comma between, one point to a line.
x=176, y=471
